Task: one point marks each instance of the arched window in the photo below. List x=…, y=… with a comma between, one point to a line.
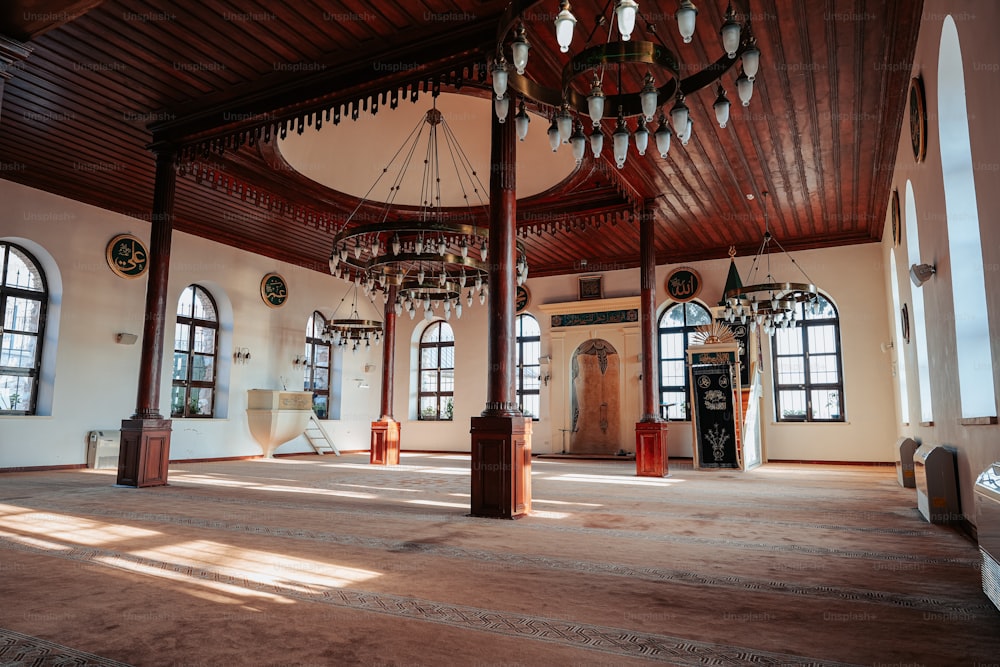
x=965, y=247
x=317, y=370
x=904, y=393
x=676, y=325
x=529, y=347
x=23, y=299
x=808, y=380
x=437, y=372
x=918, y=317
x=196, y=344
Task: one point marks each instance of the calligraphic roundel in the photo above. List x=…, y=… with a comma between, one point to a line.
x=683, y=284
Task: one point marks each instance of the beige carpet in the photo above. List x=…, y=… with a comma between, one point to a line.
x=313, y=560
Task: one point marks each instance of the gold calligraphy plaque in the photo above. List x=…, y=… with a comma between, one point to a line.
x=683, y=284
x=127, y=256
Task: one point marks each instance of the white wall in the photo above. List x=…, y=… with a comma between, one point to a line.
x=976, y=445
x=96, y=379
x=852, y=277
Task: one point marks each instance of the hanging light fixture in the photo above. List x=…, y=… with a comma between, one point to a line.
x=769, y=304
x=430, y=258
x=350, y=327
x=625, y=42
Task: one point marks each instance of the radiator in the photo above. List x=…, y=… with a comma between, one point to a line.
x=936, y=479
x=987, y=493
x=102, y=449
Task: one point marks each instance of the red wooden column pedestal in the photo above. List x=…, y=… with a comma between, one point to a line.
x=145, y=445
x=651, y=430
x=501, y=437
x=385, y=443
x=385, y=432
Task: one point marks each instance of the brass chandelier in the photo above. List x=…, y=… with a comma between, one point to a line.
x=350, y=328
x=435, y=256
x=619, y=92
x=770, y=304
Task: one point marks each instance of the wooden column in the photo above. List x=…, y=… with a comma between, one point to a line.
x=651, y=430
x=384, y=448
x=501, y=444
x=145, y=443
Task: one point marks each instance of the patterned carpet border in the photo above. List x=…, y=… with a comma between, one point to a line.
x=17, y=649
x=616, y=641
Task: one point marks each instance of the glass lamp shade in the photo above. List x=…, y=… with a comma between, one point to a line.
x=648, y=97
x=595, y=102
x=686, y=15
x=625, y=12
x=688, y=132
x=565, y=22
x=375, y=246
x=662, y=136
x=553, y=133
x=519, y=49
x=641, y=135
x=578, y=141
x=744, y=86
x=751, y=62
x=521, y=121
x=620, y=142
x=499, y=72
x=396, y=245
x=501, y=106
x=564, y=121
x=596, y=141
x=334, y=260
x=730, y=35
x=721, y=107
x=679, y=117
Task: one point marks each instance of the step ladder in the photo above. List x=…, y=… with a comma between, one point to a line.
x=319, y=438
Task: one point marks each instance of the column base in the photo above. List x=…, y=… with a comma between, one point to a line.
x=651, y=449
x=144, y=455
x=385, y=443
x=501, y=467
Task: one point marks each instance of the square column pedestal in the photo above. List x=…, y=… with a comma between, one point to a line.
x=385, y=443
x=501, y=467
x=651, y=449
x=144, y=454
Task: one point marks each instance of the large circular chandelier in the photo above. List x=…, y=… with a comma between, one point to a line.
x=350, y=328
x=434, y=256
x=613, y=67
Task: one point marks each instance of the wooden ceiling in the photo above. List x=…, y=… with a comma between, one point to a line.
x=105, y=81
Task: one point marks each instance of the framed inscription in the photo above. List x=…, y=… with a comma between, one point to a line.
x=897, y=228
x=683, y=284
x=127, y=256
x=274, y=290
x=918, y=119
x=591, y=287
x=522, y=297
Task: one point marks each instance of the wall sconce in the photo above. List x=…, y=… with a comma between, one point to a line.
x=921, y=273
x=544, y=363
x=885, y=347
x=368, y=368
x=300, y=361
x=241, y=355
x=126, y=338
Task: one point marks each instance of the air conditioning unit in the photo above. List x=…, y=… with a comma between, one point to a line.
x=102, y=449
x=905, y=449
x=987, y=493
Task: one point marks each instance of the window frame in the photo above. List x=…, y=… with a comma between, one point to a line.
x=188, y=383
x=805, y=321
x=42, y=297
x=438, y=395
x=686, y=331
x=520, y=366
x=315, y=342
